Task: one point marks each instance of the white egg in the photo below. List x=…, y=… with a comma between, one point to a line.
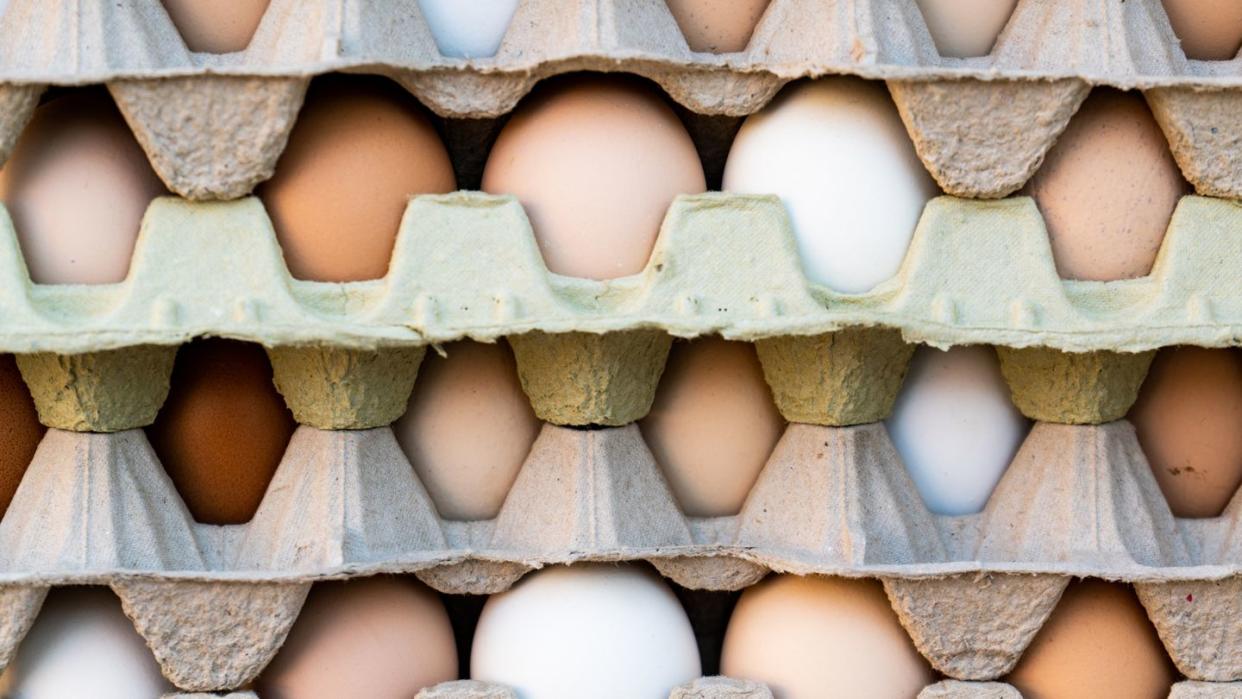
x=468, y=29
x=836, y=153
x=595, y=630
x=956, y=427
x=83, y=645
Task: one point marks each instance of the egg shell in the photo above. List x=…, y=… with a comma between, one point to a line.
x=1210, y=30
x=717, y=27
x=598, y=630
x=82, y=645
x=811, y=637
x=77, y=186
x=965, y=28
x=1187, y=418
x=468, y=428
x=360, y=149
x=1107, y=189
x=468, y=29
x=713, y=424
x=1098, y=642
x=595, y=161
x=223, y=429
x=383, y=637
x=956, y=427
x=836, y=153
x=216, y=26
x=20, y=430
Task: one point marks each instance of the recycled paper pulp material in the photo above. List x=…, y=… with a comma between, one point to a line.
x=214, y=125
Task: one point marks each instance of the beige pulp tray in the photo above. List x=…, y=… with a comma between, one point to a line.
x=214, y=125
x=214, y=602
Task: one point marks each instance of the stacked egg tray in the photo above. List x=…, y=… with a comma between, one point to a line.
x=1079, y=499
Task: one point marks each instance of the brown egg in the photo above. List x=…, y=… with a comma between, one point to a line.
x=468, y=428
x=223, y=430
x=216, y=26
x=965, y=28
x=1189, y=421
x=713, y=424
x=77, y=186
x=384, y=637
x=812, y=637
x=1107, y=189
x=360, y=149
x=1097, y=643
x=596, y=161
x=717, y=27
x=20, y=430
x=1210, y=30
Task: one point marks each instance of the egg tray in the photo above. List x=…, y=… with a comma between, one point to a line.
x=345, y=356
x=214, y=602
x=214, y=125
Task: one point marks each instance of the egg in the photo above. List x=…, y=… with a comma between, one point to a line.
x=1210, y=30
x=965, y=28
x=713, y=424
x=383, y=637
x=836, y=153
x=468, y=29
x=956, y=427
x=717, y=27
x=20, y=430
x=1187, y=417
x=223, y=429
x=77, y=186
x=361, y=147
x=595, y=161
x=82, y=645
x=1098, y=642
x=468, y=428
x=1107, y=189
x=812, y=637
x=216, y=26
x=598, y=630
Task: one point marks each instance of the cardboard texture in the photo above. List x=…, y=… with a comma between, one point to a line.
x=194, y=112
x=96, y=507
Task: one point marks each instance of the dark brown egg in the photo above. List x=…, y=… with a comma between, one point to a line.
x=223, y=430
x=20, y=430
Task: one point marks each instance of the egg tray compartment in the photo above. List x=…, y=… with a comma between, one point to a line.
x=98, y=357
x=972, y=591
x=214, y=125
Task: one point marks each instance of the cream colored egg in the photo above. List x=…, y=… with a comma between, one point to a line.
x=956, y=427
x=836, y=153
x=384, y=637
x=965, y=28
x=468, y=428
x=713, y=424
x=1097, y=643
x=216, y=26
x=813, y=637
x=1187, y=418
x=82, y=645
x=1210, y=30
x=717, y=27
x=77, y=186
x=595, y=161
x=1107, y=189
x=472, y=29
x=599, y=630
x=361, y=148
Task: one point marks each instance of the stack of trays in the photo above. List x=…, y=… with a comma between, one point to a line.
x=1079, y=499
